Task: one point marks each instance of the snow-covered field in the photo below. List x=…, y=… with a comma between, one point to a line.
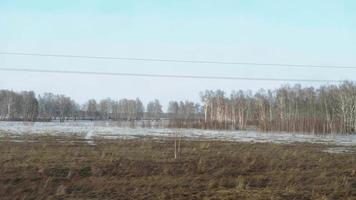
x=90, y=129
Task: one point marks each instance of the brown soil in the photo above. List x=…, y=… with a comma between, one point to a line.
x=48, y=168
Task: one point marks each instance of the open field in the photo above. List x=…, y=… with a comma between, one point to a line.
x=56, y=167
x=113, y=130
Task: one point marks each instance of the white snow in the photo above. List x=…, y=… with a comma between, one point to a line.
x=91, y=129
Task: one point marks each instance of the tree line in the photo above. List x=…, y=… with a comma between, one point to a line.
x=25, y=106
x=327, y=109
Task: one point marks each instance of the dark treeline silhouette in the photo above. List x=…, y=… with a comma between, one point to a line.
x=327, y=109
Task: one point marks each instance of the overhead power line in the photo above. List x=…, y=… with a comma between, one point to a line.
x=181, y=61
x=161, y=75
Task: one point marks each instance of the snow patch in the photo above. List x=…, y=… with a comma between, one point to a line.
x=110, y=130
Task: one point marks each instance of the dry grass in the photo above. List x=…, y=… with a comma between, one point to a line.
x=44, y=168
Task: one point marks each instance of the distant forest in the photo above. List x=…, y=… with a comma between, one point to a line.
x=327, y=109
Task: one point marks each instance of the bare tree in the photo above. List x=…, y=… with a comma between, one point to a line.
x=92, y=109
x=154, y=109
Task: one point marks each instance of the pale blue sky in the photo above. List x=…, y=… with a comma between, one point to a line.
x=319, y=32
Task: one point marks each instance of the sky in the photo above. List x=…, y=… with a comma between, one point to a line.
x=312, y=32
